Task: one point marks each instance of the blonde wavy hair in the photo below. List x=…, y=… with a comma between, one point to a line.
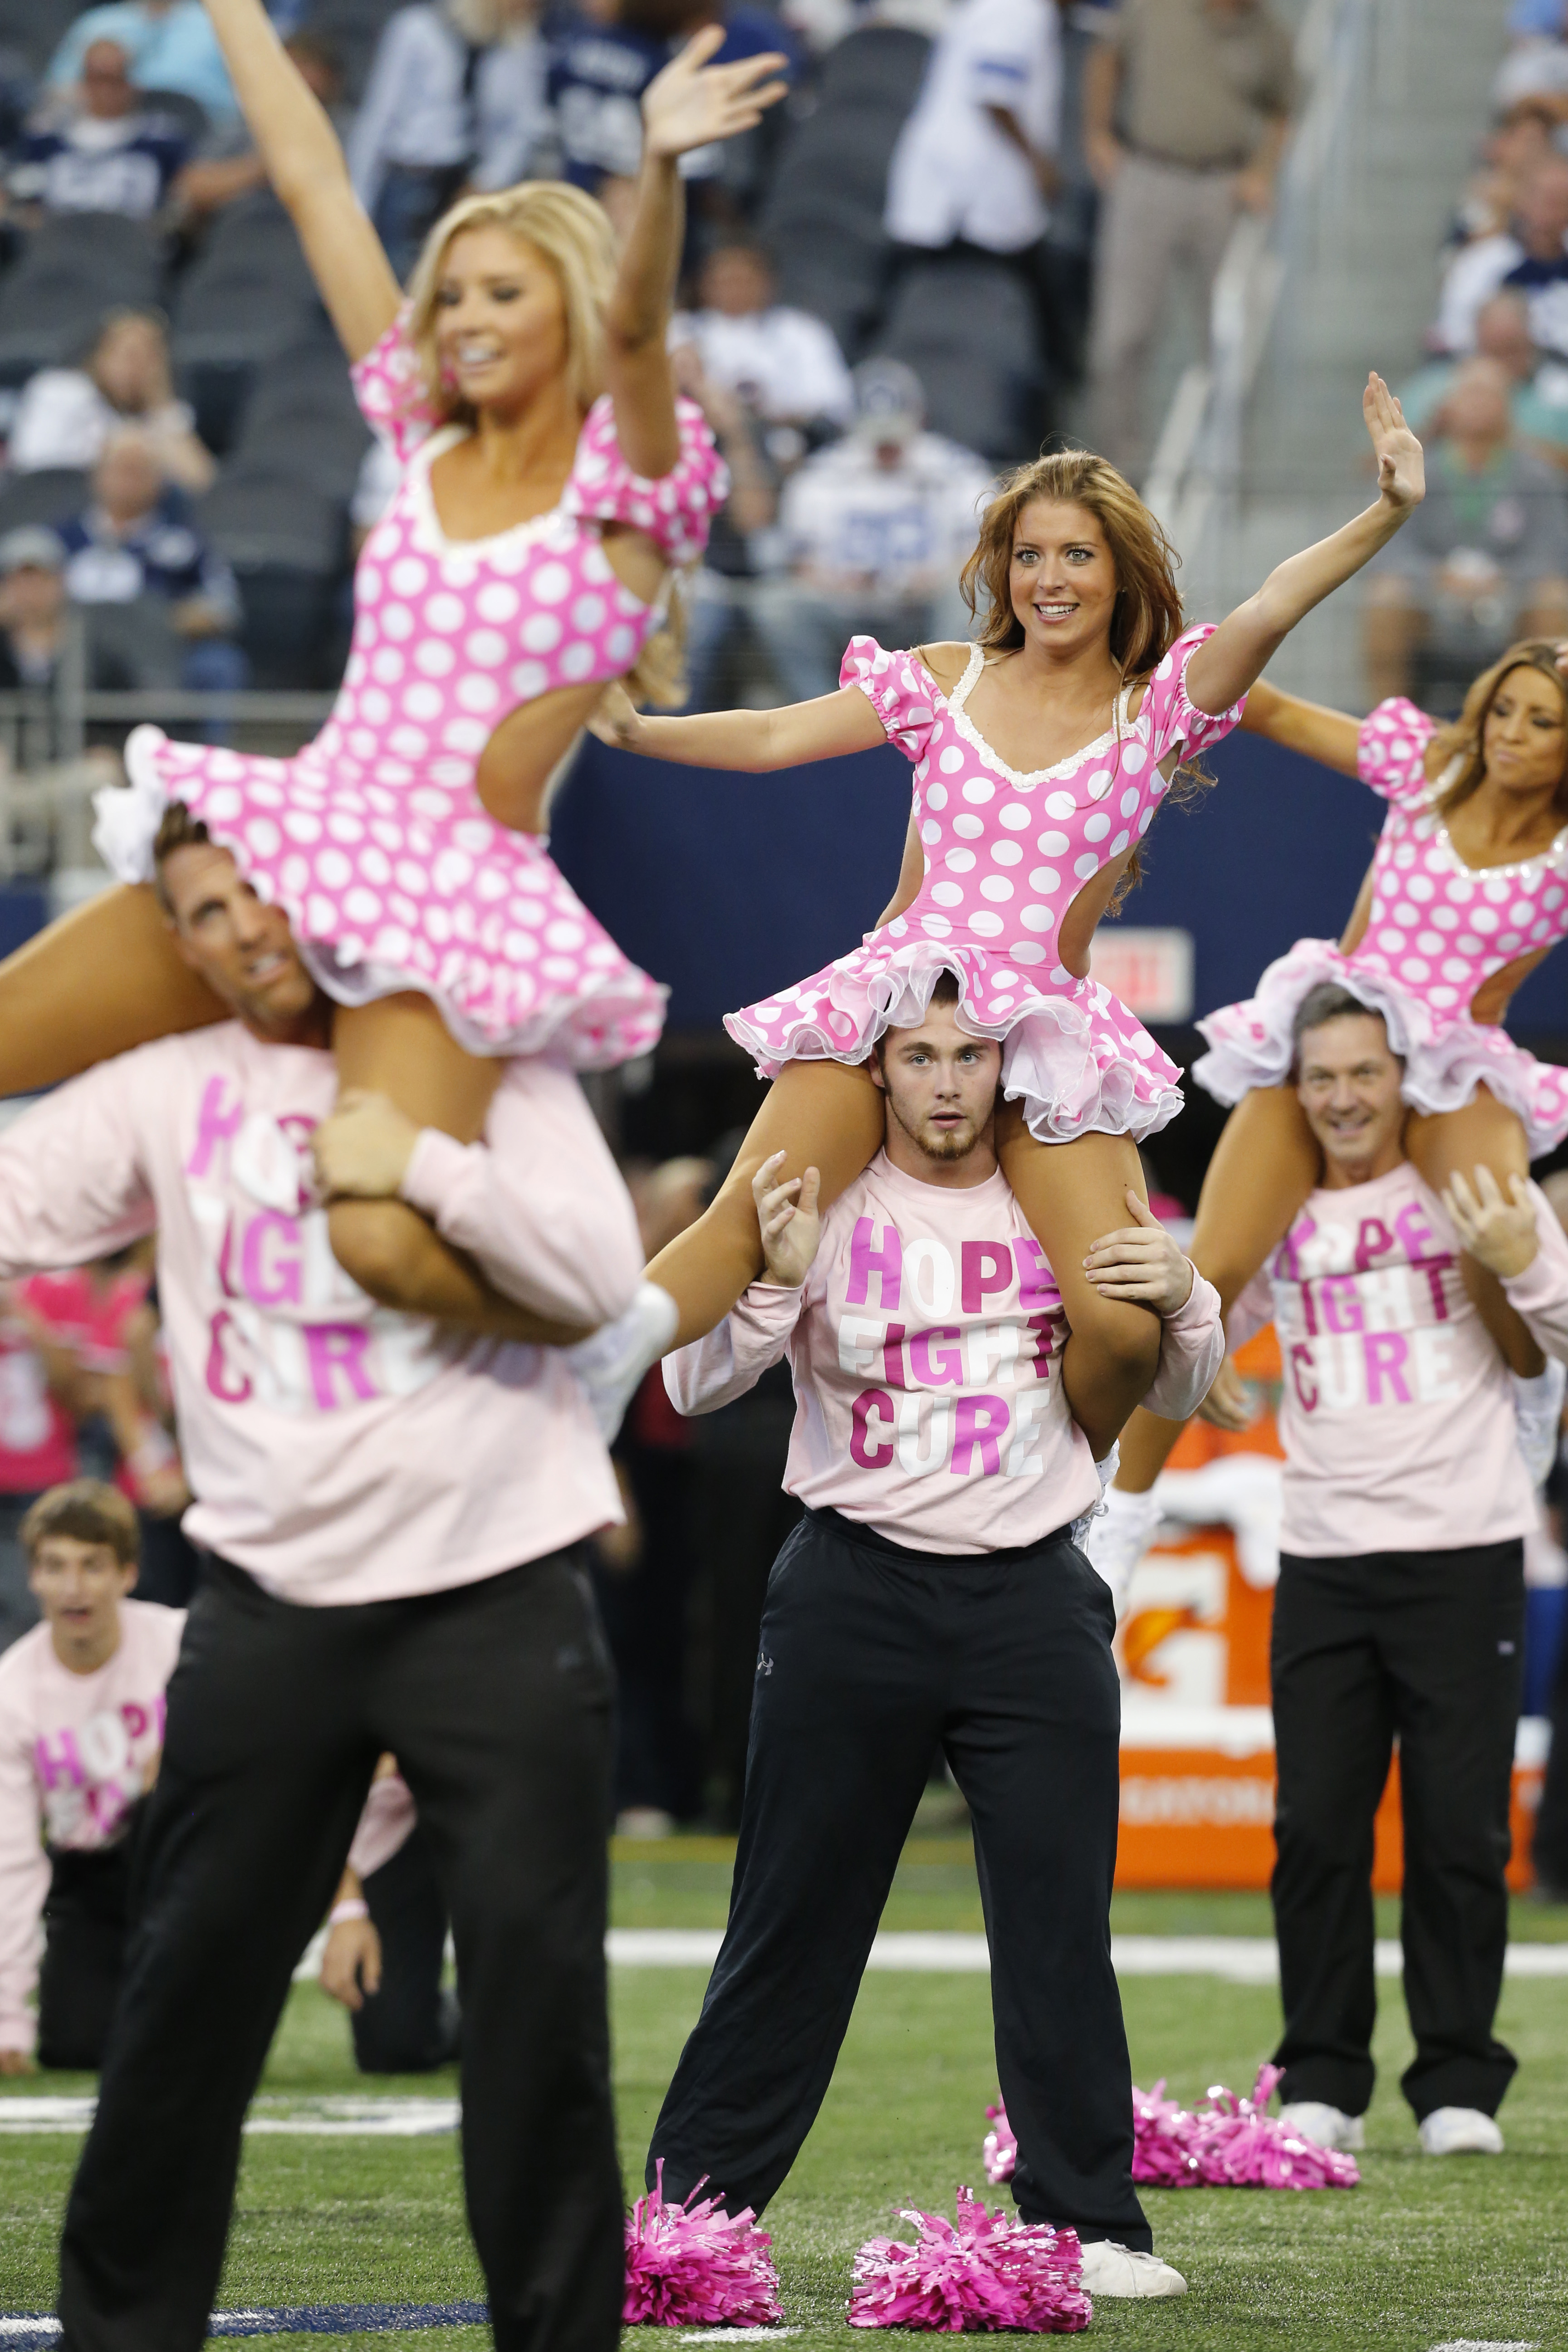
x=1146, y=619
x=1465, y=740
x=574, y=235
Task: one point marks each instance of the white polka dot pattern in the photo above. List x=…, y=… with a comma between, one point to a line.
x=374, y=837
x=1436, y=931
x=991, y=911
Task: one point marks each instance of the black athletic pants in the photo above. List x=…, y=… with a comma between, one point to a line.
x=409, y=2024
x=87, y=1918
x=495, y=1698
x=874, y=1658
x=1425, y=1646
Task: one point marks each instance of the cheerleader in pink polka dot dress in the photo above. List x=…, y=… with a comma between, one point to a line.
x=1467, y=890
x=1040, y=756
x=552, y=485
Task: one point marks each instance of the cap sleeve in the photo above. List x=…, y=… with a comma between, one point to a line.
x=677, y=510
x=1390, y=751
x=897, y=689
x=390, y=389
x=1167, y=720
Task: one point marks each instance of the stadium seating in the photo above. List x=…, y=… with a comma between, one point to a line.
x=971, y=333
x=248, y=295
x=288, y=544
x=301, y=416
x=823, y=220
x=353, y=29
x=36, y=27
x=73, y=268
x=51, y=495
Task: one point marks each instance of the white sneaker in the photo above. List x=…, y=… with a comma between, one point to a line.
x=1537, y=1410
x=1324, y=2125
x=1460, y=2131
x=1110, y=2269
x=1118, y=1535
x=612, y=1361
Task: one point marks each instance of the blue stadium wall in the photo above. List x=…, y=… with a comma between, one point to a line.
x=728, y=886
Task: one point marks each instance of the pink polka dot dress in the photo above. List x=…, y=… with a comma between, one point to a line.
x=1006, y=855
x=1437, y=928
x=373, y=837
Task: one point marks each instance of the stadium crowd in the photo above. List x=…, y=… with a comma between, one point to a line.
x=956, y=237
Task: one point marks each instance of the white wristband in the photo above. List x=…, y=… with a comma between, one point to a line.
x=352, y=1907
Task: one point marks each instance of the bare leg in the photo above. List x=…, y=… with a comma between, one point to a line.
x=1071, y=1193
x=103, y=979
x=822, y=1115
x=1483, y=1135
x=399, y=1046
x=1264, y=1166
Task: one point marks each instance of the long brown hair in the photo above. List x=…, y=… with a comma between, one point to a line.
x=1465, y=740
x=1146, y=619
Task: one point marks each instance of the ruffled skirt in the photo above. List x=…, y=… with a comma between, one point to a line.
x=1251, y=1045
x=1076, y=1059
x=390, y=888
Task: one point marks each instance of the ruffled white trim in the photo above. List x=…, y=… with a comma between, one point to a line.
x=126, y=816
x=1048, y=1059
x=563, y=1024
x=1443, y=1067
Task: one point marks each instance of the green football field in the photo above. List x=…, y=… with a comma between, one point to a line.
x=1424, y=2253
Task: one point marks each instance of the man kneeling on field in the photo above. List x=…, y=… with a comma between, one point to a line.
x=81, y=1730
x=932, y=1600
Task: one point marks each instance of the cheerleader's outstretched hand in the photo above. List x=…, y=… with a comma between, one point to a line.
x=692, y=103
x=1401, y=461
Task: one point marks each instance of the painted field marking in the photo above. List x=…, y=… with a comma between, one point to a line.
x=23, y=2330
x=327, y=2118
x=1243, y=1960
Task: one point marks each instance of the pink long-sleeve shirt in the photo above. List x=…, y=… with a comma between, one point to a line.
x=75, y=1754
x=1398, y=1417
x=338, y=1452
x=925, y=1346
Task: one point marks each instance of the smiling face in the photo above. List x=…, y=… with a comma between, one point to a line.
x=499, y=317
x=243, y=949
x=1524, y=735
x=1348, y=1083
x=1062, y=579
x=941, y=1084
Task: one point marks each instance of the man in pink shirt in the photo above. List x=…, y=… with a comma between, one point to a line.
x=395, y=1510
x=932, y=1600
x=81, y=1725
x=1400, y=1607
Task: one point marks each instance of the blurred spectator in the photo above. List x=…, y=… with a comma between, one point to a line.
x=1532, y=255
x=1511, y=153
x=456, y=99
x=602, y=64
x=38, y=1449
x=1187, y=109
x=784, y=363
x=716, y=594
x=1483, y=560
x=65, y=415
x=136, y=547
x=975, y=162
x=226, y=164
x=1536, y=66
x=1538, y=396
x=170, y=43
x=32, y=610
x=876, y=528
x=102, y=150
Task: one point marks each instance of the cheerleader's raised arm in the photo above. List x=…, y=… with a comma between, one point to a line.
x=551, y=484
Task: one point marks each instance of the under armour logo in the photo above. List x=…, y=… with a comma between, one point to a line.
x=765, y=1664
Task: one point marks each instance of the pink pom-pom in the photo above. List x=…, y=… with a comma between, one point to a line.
x=1162, y=2156
x=695, y=2265
x=1000, y=2151
x=984, y=2272
x=1239, y=2145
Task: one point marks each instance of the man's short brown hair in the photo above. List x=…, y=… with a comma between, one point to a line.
x=177, y=829
x=89, y=1512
